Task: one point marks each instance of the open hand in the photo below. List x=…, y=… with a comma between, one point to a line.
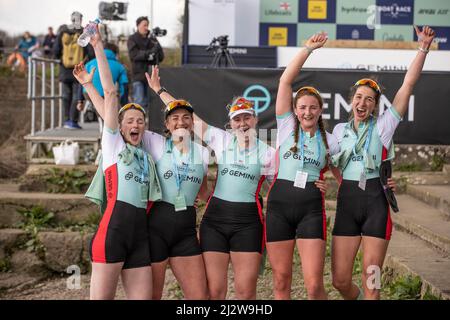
x=80, y=73
x=425, y=37
x=154, y=80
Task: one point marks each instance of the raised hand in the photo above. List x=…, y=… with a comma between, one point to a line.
x=154, y=80
x=317, y=40
x=425, y=37
x=82, y=76
x=96, y=38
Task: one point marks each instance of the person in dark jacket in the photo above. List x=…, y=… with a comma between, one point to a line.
x=49, y=40
x=70, y=53
x=144, y=51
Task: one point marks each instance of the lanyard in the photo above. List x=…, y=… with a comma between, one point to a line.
x=302, y=147
x=174, y=163
x=145, y=171
x=366, y=143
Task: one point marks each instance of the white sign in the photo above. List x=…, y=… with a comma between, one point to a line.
x=365, y=59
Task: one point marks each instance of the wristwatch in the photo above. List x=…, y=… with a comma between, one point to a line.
x=161, y=91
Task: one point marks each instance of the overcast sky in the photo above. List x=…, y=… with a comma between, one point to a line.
x=17, y=16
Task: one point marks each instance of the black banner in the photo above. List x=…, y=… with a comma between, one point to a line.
x=210, y=90
x=261, y=57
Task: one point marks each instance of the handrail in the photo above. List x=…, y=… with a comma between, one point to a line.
x=33, y=64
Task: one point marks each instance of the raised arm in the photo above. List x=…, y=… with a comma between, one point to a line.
x=401, y=99
x=284, y=95
x=111, y=112
x=85, y=79
x=154, y=82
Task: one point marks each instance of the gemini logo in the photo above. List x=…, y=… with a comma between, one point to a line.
x=224, y=171
x=129, y=176
x=260, y=97
x=168, y=174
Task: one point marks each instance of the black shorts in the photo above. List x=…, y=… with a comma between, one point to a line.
x=295, y=212
x=362, y=213
x=232, y=226
x=122, y=236
x=172, y=233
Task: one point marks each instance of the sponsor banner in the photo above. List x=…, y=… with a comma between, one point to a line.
x=279, y=11
x=354, y=32
x=394, y=33
x=442, y=38
x=354, y=11
x=400, y=12
x=210, y=90
x=318, y=11
x=306, y=30
x=367, y=59
x=432, y=13
x=277, y=34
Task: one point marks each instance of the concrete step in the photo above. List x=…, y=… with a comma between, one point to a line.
x=409, y=255
x=435, y=196
x=423, y=221
x=446, y=169
x=422, y=178
x=42, y=169
x=69, y=209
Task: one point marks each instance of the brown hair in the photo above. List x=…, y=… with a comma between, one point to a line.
x=353, y=90
x=304, y=92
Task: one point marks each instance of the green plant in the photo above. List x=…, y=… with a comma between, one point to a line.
x=429, y=296
x=405, y=288
x=437, y=162
x=34, y=220
x=71, y=181
x=408, y=167
x=358, y=265
x=5, y=265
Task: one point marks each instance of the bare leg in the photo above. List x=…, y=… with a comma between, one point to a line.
x=158, y=277
x=246, y=268
x=216, y=265
x=190, y=273
x=104, y=279
x=344, y=250
x=312, y=254
x=137, y=283
x=280, y=258
x=374, y=252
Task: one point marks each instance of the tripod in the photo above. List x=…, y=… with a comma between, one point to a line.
x=222, y=57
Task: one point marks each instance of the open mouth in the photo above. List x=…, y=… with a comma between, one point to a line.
x=134, y=135
x=361, y=112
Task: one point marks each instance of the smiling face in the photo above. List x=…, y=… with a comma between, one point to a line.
x=244, y=125
x=364, y=102
x=180, y=123
x=308, y=110
x=132, y=126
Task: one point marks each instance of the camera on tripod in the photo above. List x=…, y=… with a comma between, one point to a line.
x=222, y=57
x=221, y=42
x=158, y=32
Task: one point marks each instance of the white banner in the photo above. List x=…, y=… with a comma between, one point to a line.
x=366, y=59
x=209, y=19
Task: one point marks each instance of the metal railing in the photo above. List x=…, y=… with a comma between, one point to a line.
x=33, y=77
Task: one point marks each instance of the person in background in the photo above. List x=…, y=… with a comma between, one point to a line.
x=49, y=40
x=144, y=51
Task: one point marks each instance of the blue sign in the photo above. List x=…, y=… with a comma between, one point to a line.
x=260, y=97
x=354, y=32
x=400, y=12
x=291, y=33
